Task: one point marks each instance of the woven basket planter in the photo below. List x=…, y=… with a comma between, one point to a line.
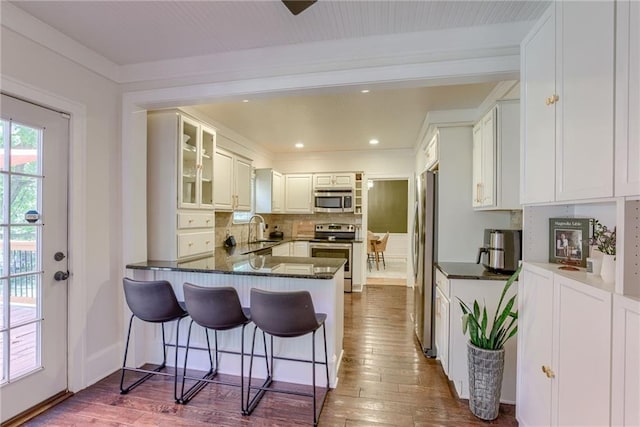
x=485, y=381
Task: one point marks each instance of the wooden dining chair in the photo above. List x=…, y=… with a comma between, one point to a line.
x=380, y=247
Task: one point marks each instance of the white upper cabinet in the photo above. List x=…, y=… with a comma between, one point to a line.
x=537, y=68
x=627, y=132
x=232, y=181
x=567, y=90
x=584, y=108
x=180, y=217
x=298, y=193
x=496, y=157
x=334, y=180
x=484, y=157
x=269, y=191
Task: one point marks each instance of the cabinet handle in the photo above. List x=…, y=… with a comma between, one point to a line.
x=548, y=372
x=190, y=221
x=190, y=244
x=208, y=221
x=207, y=242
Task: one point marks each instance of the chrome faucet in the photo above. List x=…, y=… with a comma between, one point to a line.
x=260, y=224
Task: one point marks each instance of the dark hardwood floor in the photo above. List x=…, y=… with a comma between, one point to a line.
x=384, y=380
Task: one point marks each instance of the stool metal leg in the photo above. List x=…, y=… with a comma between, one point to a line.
x=149, y=372
x=252, y=403
x=186, y=396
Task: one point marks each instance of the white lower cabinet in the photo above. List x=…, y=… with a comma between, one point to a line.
x=442, y=329
x=625, y=363
x=300, y=249
x=449, y=336
x=564, y=363
x=190, y=244
x=358, y=274
x=281, y=250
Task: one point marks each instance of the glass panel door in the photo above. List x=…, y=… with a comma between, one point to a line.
x=21, y=273
x=189, y=161
x=206, y=167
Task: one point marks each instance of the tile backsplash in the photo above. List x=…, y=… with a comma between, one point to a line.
x=285, y=223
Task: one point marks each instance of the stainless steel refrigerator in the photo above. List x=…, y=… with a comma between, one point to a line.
x=424, y=259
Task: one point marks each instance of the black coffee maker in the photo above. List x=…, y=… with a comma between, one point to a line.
x=502, y=250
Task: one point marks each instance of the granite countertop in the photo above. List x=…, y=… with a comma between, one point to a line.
x=469, y=271
x=226, y=262
x=245, y=248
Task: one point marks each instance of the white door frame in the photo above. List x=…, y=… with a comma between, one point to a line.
x=77, y=220
x=410, y=190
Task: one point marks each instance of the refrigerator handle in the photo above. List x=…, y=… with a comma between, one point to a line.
x=416, y=240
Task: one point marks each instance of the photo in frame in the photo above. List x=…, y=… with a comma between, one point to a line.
x=569, y=241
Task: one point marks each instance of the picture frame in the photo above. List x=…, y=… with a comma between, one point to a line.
x=569, y=241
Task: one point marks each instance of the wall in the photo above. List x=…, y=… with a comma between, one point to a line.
x=388, y=205
x=99, y=228
x=460, y=228
x=286, y=223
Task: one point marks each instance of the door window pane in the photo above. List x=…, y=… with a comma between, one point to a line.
x=24, y=149
x=3, y=315
x=24, y=298
x=24, y=198
x=24, y=353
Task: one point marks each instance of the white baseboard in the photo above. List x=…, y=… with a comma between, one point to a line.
x=103, y=363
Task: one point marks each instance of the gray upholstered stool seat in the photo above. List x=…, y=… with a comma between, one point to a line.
x=154, y=302
x=216, y=309
x=286, y=315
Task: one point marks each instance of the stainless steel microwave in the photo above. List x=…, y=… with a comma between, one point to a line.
x=333, y=200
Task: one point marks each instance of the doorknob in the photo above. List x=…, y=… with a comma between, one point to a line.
x=61, y=275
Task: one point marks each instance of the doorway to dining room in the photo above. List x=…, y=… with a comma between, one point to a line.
x=387, y=222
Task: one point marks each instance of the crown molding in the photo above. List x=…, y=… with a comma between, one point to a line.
x=18, y=21
x=411, y=52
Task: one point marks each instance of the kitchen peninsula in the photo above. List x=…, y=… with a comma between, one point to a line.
x=323, y=278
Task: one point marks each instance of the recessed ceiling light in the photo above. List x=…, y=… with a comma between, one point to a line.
x=364, y=91
x=245, y=100
x=373, y=141
x=299, y=145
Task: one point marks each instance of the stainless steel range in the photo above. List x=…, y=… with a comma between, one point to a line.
x=335, y=241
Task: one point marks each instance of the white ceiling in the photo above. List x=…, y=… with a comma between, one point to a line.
x=136, y=32
x=128, y=32
x=343, y=121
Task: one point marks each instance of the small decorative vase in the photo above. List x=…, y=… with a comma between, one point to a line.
x=485, y=381
x=608, y=270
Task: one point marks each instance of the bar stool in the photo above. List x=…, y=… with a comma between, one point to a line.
x=216, y=309
x=155, y=302
x=286, y=315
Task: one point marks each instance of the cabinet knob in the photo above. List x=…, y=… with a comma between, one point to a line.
x=548, y=372
x=190, y=221
x=190, y=243
x=207, y=242
x=552, y=99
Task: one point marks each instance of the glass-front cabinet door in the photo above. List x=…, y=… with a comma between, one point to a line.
x=207, y=147
x=189, y=165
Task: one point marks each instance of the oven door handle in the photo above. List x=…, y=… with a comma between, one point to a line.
x=330, y=245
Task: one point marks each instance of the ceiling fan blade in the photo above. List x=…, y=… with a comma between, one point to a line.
x=298, y=6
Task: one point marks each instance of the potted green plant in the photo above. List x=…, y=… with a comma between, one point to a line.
x=604, y=241
x=485, y=353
